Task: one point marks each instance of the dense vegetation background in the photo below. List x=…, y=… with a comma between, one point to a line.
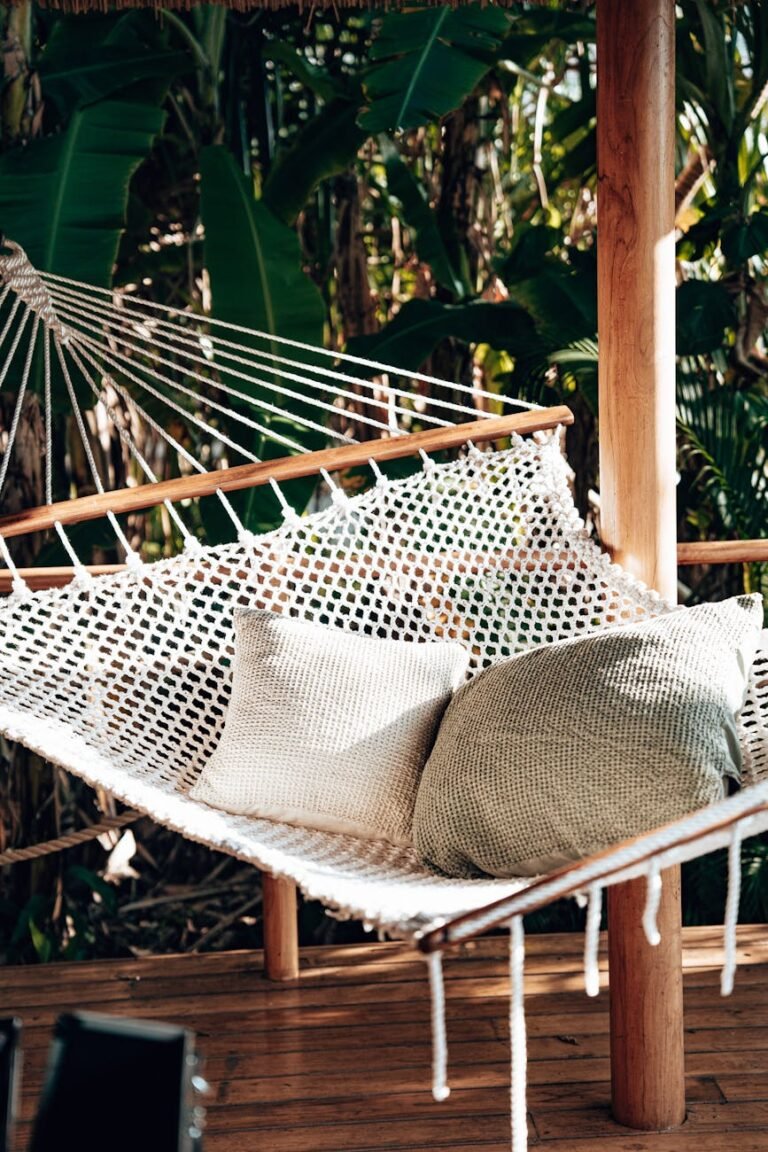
x=415, y=186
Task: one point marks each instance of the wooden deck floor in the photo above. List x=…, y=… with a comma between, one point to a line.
x=340, y=1060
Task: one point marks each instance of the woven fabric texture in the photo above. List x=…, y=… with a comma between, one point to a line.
x=126, y=679
x=329, y=729
x=565, y=750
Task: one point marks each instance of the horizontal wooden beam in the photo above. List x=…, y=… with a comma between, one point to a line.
x=723, y=552
x=555, y=885
x=283, y=469
x=38, y=579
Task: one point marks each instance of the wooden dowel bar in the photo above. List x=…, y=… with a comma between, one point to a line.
x=283, y=469
x=38, y=579
x=723, y=552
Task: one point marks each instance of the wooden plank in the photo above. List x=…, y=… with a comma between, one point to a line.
x=413, y=1105
x=742, y=1085
x=546, y=952
x=243, y=972
x=702, y=1117
x=349, y=1070
x=283, y=469
x=251, y=1051
x=371, y=998
x=391, y=1139
x=251, y=995
x=477, y=1130
x=38, y=579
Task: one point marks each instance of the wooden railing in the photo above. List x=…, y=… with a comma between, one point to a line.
x=606, y=867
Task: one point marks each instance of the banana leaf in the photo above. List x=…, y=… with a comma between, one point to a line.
x=426, y=63
x=253, y=259
x=63, y=197
x=87, y=59
x=326, y=146
x=418, y=215
x=420, y=325
x=257, y=280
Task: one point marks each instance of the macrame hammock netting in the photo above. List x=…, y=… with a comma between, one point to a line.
x=124, y=679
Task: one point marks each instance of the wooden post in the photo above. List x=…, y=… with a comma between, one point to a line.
x=281, y=935
x=636, y=308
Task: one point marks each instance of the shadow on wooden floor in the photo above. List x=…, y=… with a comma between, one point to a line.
x=340, y=1060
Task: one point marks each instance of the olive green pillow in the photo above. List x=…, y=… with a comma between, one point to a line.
x=570, y=747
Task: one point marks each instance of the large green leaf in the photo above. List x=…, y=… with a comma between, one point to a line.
x=253, y=259
x=561, y=298
x=63, y=197
x=726, y=430
x=427, y=62
x=420, y=325
x=531, y=245
x=87, y=59
x=418, y=215
x=746, y=238
x=326, y=146
x=533, y=31
x=718, y=62
x=704, y=311
x=255, y=266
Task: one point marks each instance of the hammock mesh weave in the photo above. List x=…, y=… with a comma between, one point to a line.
x=125, y=679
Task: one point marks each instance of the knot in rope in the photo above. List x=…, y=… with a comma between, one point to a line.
x=20, y=590
x=340, y=500
x=427, y=463
x=82, y=581
x=17, y=271
x=246, y=538
x=133, y=561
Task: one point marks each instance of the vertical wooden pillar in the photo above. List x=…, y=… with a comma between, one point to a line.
x=281, y=934
x=636, y=309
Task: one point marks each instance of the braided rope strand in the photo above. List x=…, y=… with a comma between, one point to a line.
x=82, y=836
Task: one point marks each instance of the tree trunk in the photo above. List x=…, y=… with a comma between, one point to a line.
x=357, y=307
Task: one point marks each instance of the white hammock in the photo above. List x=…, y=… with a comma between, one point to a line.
x=124, y=679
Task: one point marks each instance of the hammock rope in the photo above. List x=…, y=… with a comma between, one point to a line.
x=82, y=291
x=117, y=327
x=70, y=840
x=592, y=940
x=122, y=346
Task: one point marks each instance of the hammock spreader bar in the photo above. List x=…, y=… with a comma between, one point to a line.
x=286, y=468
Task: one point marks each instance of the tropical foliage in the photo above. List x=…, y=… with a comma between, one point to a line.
x=416, y=186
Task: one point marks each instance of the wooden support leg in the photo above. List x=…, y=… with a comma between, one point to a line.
x=281, y=935
x=636, y=321
x=646, y=994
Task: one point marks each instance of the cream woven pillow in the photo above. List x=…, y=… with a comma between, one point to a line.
x=329, y=729
x=568, y=748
